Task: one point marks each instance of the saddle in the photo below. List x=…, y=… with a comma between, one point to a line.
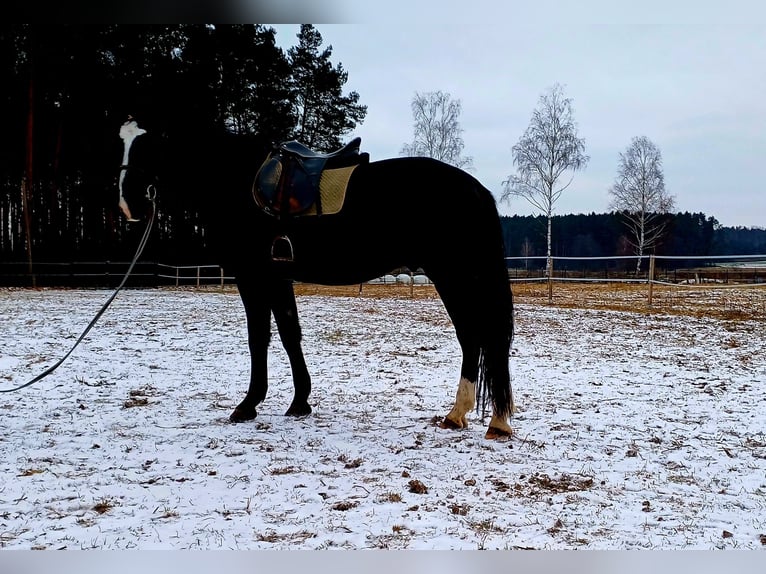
x=296, y=180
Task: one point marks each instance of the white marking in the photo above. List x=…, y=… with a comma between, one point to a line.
x=128, y=132
x=465, y=400
x=499, y=425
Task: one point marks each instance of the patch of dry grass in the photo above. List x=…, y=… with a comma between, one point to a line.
x=720, y=302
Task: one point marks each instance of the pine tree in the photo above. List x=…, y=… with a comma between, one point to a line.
x=323, y=114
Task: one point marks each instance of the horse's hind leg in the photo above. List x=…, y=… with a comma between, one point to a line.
x=466, y=326
x=286, y=316
x=473, y=315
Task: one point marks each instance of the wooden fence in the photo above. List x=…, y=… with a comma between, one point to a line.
x=724, y=270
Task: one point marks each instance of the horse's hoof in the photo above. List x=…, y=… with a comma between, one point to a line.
x=298, y=410
x=448, y=423
x=494, y=433
x=240, y=415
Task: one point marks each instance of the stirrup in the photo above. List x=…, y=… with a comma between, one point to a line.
x=282, y=249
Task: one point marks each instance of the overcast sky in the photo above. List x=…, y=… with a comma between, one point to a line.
x=690, y=76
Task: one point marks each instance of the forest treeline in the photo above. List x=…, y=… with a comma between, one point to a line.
x=66, y=90
x=605, y=234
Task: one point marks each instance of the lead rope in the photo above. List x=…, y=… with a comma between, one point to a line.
x=104, y=307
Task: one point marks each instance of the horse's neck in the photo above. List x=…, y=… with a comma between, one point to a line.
x=217, y=164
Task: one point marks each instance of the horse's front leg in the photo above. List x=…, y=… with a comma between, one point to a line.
x=286, y=316
x=258, y=313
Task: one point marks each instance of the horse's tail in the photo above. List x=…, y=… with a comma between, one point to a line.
x=494, y=382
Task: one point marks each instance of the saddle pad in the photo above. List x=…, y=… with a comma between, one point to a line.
x=332, y=188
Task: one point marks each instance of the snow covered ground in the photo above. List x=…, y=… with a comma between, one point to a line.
x=634, y=431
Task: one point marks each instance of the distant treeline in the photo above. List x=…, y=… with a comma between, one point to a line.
x=603, y=235
x=591, y=235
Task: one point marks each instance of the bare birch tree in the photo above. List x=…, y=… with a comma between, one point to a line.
x=639, y=194
x=548, y=150
x=437, y=131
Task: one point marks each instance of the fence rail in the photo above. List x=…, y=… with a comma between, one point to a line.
x=110, y=273
x=722, y=270
x=735, y=271
x=730, y=288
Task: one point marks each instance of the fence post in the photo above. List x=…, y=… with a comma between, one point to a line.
x=651, y=279
x=198, y=273
x=550, y=281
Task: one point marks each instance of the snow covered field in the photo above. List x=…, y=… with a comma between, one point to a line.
x=634, y=431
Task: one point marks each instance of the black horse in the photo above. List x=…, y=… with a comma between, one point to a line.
x=405, y=212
